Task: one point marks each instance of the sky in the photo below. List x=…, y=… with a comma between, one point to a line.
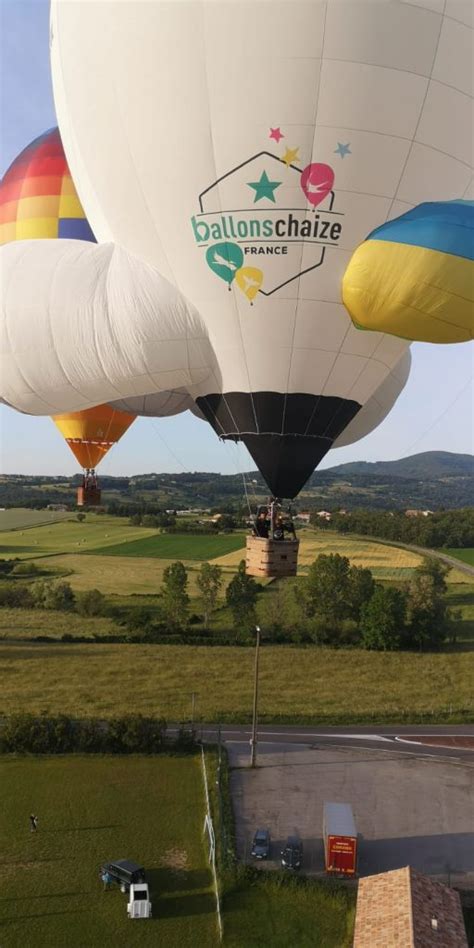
x=434, y=412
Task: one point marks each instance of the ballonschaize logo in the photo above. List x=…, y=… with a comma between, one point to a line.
x=275, y=234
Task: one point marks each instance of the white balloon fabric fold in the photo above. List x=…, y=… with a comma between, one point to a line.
x=83, y=324
x=158, y=404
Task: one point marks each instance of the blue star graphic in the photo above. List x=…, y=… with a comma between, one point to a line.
x=342, y=150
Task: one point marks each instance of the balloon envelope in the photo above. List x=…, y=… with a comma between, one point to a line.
x=38, y=200
x=91, y=433
x=414, y=276
x=99, y=326
x=236, y=106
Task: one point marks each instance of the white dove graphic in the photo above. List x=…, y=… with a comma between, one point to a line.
x=221, y=261
x=316, y=188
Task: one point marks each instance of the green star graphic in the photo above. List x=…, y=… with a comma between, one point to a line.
x=264, y=188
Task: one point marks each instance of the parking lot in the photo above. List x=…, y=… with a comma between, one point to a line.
x=408, y=810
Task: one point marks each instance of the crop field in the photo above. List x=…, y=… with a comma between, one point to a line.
x=172, y=546
x=147, y=809
x=466, y=555
x=296, y=683
x=18, y=517
x=386, y=562
x=114, y=576
x=70, y=536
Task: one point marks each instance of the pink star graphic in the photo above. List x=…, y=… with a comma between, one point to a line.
x=276, y=134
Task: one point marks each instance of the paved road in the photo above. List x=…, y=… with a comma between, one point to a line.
x=380, y=738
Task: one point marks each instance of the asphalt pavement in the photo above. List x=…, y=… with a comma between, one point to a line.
x=384, y=738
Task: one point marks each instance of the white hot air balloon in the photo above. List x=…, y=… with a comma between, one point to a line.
x=245, y=150
x=84, y=323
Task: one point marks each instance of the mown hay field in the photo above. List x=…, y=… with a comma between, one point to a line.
x=115, y=576
x=91, y=810
x=70, y=536
x=16, y=517
x=295, y=683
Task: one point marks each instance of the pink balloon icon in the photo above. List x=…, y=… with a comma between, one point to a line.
x=317, y=181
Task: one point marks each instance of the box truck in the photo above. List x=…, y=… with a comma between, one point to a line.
x=340, y=839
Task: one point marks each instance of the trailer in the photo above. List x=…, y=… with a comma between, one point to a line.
x=340, y=839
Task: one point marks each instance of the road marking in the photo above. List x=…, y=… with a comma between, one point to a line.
x=311, y=737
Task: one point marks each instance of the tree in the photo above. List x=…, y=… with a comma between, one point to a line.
x=361, y=590
x=382, y=619
x=58, y=596
x=241, y=596
x=437, y=570
x=326, y=589
x=174, y=597
x=427, y=610
x=280, y=612
x=209, y=581
x=80, y=517
x=90, y=603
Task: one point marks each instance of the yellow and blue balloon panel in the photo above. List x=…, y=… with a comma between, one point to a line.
x=414, y=276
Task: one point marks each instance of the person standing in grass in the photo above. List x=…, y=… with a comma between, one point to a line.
x=33, y=823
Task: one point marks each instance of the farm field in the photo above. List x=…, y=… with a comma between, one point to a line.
x=147, y=809
x=17, y=517
x=179, y=546
x=296, y=684
x=466, y=555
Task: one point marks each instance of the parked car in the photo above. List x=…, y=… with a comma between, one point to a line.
x=124, y=872
x=261, y=844
x=139, y=905
x=292, y=854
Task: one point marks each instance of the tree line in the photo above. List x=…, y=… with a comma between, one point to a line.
x=336, y=604
x=444, y=528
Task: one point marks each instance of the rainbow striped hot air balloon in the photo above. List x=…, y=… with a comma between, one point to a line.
x=38, y=200
x=37, y=195
x=414, y=276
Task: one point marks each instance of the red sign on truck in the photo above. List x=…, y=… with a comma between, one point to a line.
x=340, y=839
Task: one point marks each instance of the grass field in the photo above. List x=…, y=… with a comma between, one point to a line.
x=467, y=555
x=178, y=546
x=295, y=683
x=148, y=809
x=286, y=912
x=17, y=517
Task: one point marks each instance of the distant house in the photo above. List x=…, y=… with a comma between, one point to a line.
x=303, y=517
x=418, y=513
x=323, y=514
x=407, y=909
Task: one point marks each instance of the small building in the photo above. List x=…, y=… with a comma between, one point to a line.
x=323, y=514
x=407, y=909
x=303, y=517
x=418, y=513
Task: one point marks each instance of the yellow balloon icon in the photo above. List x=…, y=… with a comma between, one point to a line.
x=249, y=279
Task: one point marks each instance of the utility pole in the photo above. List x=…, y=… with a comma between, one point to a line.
x=253, y=740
